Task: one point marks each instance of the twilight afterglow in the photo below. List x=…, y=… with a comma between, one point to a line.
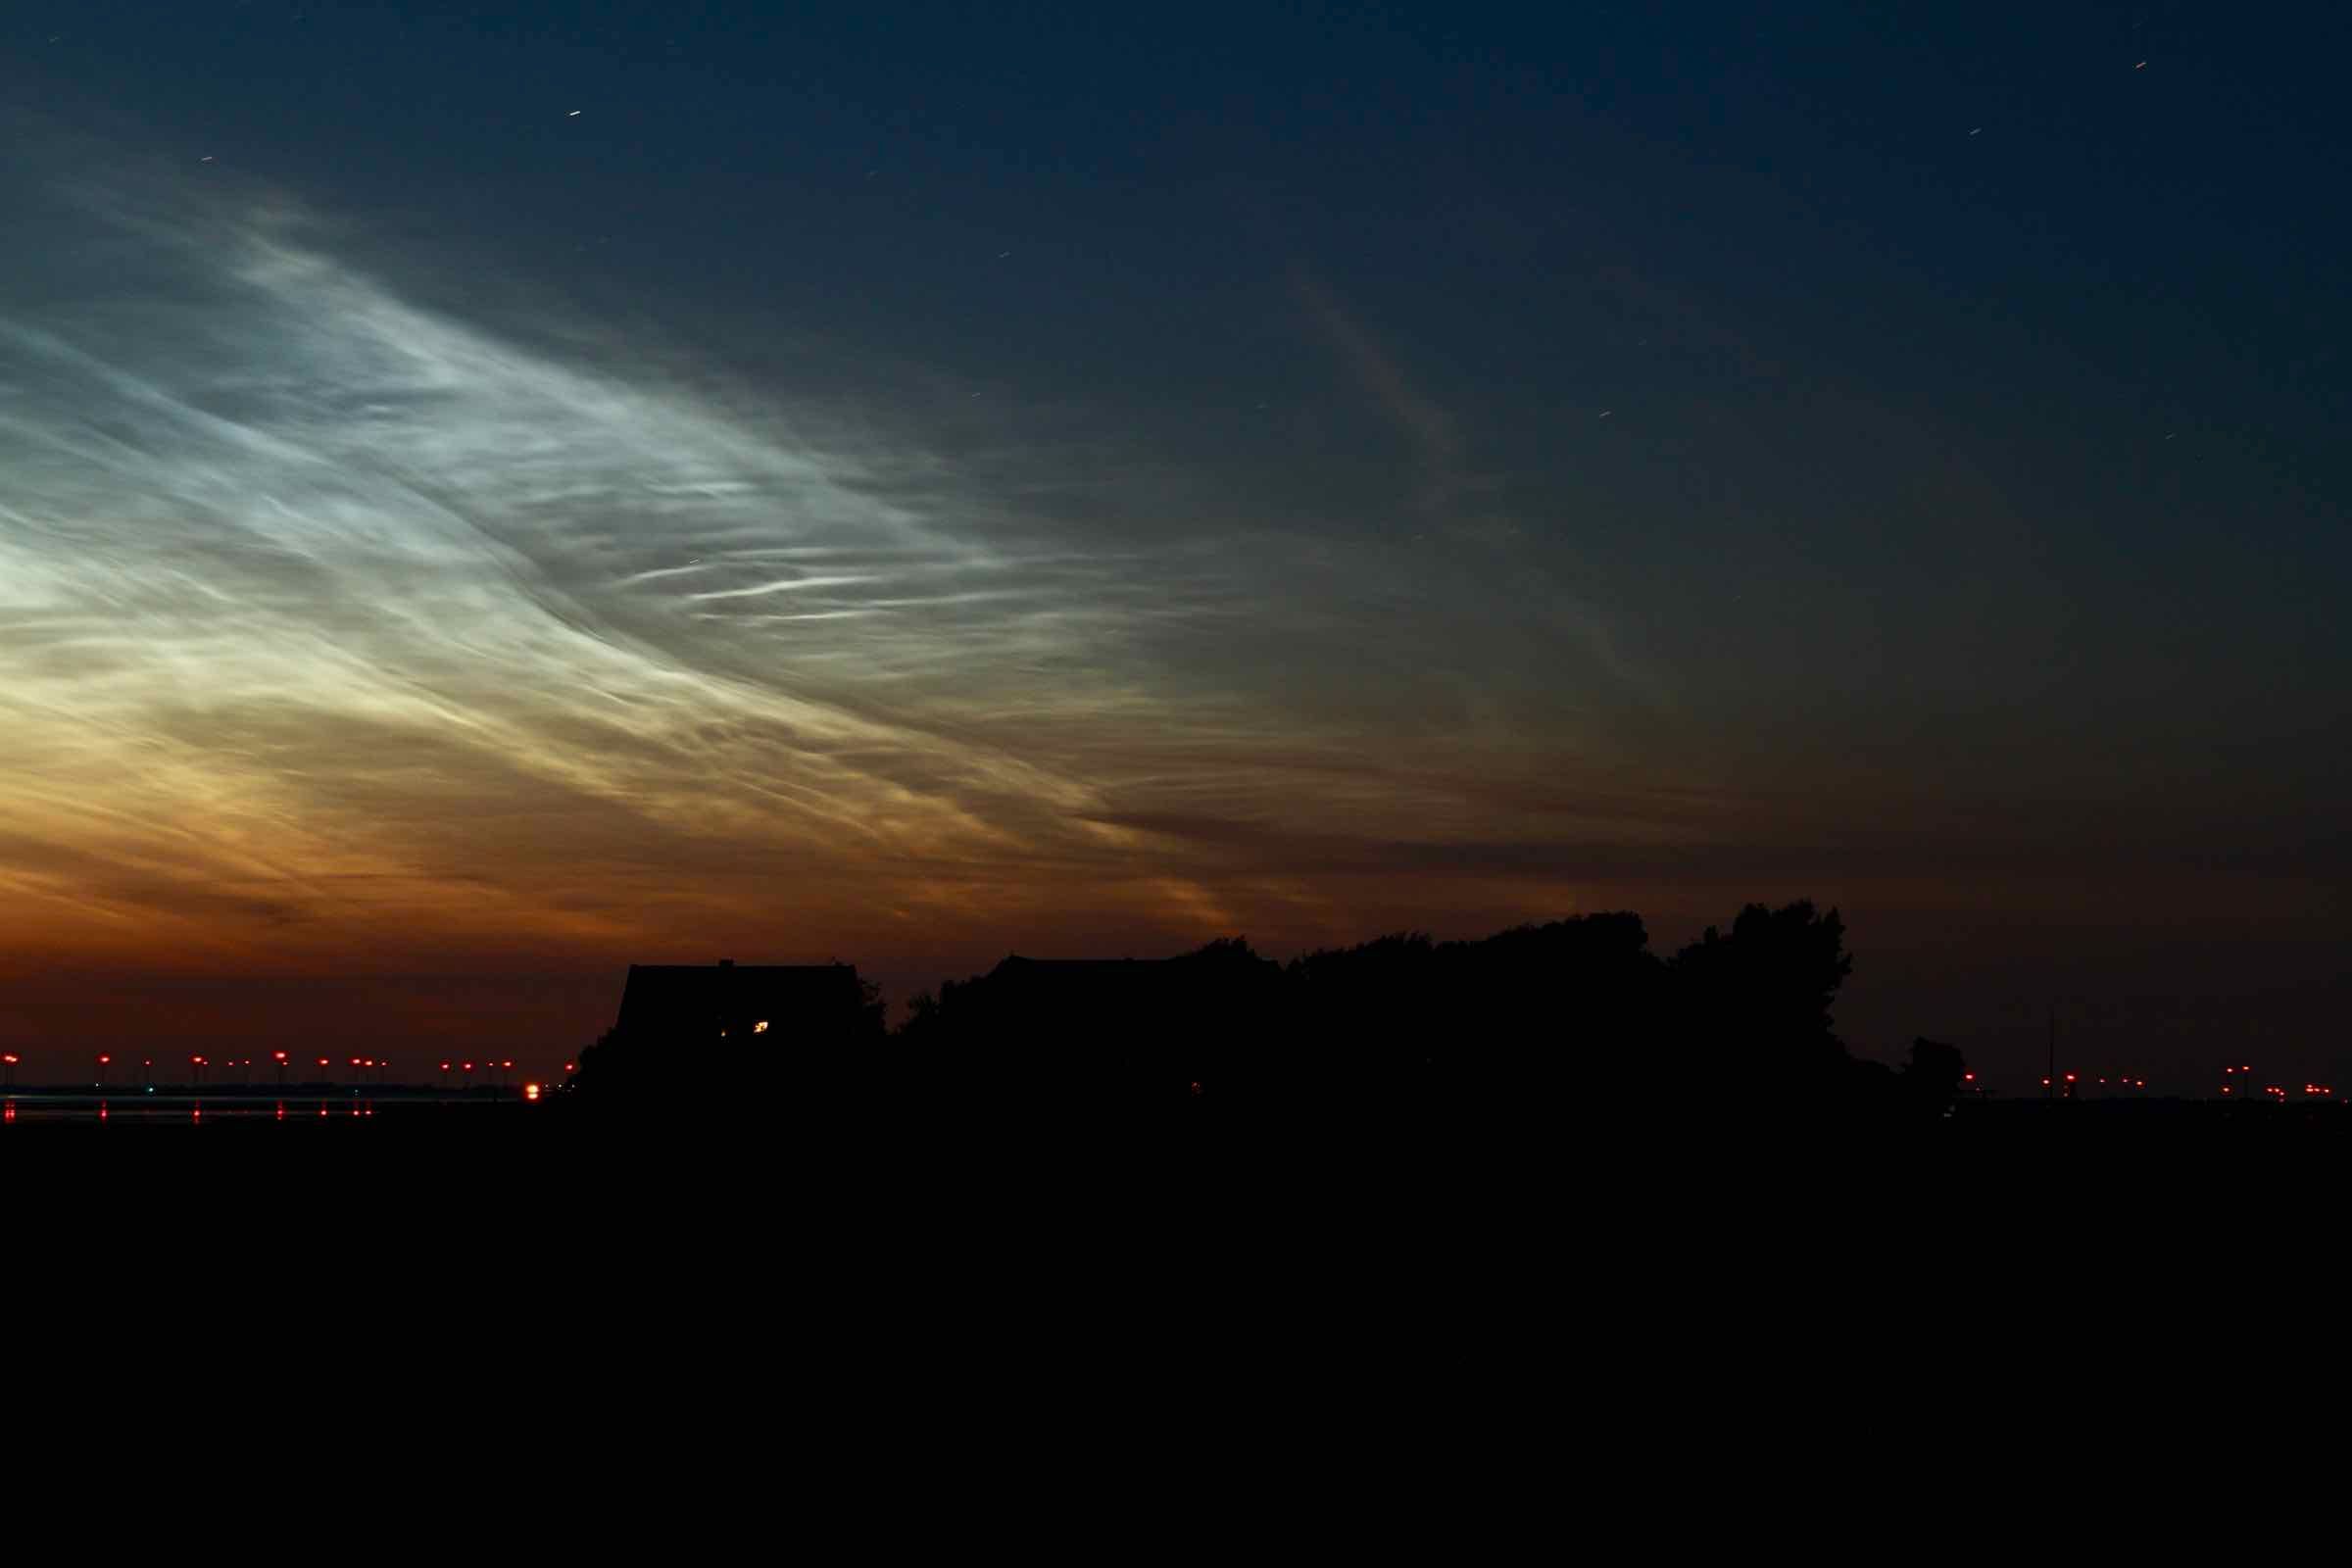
x=485, y=505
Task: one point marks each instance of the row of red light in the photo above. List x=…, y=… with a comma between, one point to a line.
x=277, y=1056
x=10, y=1058
x=2275, y=1091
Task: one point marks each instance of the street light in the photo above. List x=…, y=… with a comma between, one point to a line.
x=279, y=1058
x=103, y=1063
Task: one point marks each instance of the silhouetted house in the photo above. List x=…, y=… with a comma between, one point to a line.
x=691, y=1004
x=730, y=1022
x=1047, y=1034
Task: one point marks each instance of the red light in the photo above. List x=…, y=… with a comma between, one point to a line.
x=1968, y=1077
x=279, y=1055
x=2070, y=1077
x=103, y=1061
x=567, y=1067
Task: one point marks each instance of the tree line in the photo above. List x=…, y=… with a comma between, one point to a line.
x=1576, y=1011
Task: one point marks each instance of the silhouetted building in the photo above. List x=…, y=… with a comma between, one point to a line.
x=731, y=1026
x=1071, y=1035
x=1078, y=1031
x=688, y=1005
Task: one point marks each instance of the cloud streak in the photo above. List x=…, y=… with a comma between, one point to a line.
x=324, y=613
x=1431, y=429
x=260, y=492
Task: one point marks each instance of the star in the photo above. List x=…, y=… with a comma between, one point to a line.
x=574, y=115
x=1979, y=131
x=2142, y=65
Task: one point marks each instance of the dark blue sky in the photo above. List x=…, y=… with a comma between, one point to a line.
x=1305, y=471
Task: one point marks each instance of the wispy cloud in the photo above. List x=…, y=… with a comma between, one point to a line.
x=255, y=491
x=1433, y=432
x=324, y=613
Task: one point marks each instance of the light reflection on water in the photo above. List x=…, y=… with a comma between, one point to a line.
x=191, y=1111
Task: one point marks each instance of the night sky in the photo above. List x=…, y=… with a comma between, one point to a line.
x=489, y=494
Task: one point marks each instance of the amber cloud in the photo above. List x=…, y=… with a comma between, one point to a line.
x=325, y=615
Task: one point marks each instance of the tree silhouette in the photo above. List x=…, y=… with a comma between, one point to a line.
x=1750, y=1011
x=1547, y=1026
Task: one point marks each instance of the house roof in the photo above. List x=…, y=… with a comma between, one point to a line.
x=662, y=996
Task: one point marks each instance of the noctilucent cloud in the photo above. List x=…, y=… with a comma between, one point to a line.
x=485, y=501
